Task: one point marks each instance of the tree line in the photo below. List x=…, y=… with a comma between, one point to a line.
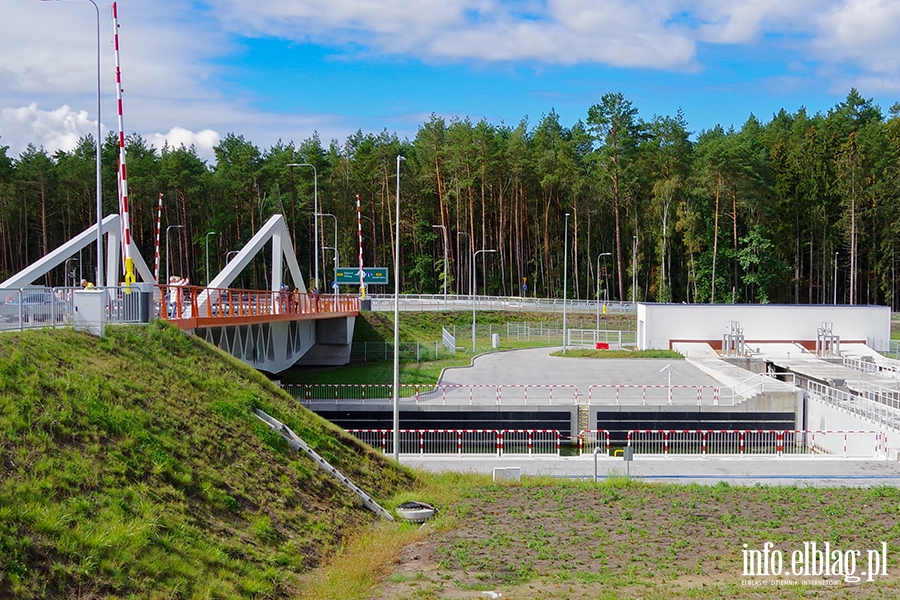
x=799, y=209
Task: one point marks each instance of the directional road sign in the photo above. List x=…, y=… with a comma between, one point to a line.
x=373, y=275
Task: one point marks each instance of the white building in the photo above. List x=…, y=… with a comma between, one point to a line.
x=661, y=325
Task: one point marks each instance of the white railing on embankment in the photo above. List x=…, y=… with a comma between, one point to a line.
x=874, y=410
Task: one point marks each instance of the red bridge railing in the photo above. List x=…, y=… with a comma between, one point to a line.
x=191, y=306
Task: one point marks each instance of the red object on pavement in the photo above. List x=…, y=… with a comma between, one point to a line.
x=602, y=346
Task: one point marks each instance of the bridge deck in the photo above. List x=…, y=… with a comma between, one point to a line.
x=191, y=307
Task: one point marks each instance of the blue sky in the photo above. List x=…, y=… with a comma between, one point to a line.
x=283, y=69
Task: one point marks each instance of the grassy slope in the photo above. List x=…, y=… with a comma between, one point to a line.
x=132, y=466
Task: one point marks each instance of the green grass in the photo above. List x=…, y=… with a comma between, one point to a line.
x=132, y=466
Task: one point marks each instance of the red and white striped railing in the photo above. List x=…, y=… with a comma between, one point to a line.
x=464, y=441
x=653, y=394
x=590, y=439
x=830, y=443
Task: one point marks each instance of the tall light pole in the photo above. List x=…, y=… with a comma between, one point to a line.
x=315, y=219
x=475, y=254
x=634, y=271
x=99, y=279
x=170, y=227
x=397, y=317
x=598, y=285
x=835, y=277
x=208, y=233
x=333, y=247
x=444, y=235
x=565, y=278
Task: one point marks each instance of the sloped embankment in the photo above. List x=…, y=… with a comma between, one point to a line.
x=132, y=465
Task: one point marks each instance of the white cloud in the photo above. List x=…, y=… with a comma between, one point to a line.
x=863, y=33
x=204, y=141
x=746, y=21
x=58, y=129
x=553, y=32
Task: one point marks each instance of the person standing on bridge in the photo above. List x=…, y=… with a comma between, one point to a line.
x=172, y=296
x=175, y=296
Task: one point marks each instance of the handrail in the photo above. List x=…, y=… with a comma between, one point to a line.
x=180, y=302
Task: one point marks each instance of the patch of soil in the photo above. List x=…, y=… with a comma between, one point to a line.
x=647, y=541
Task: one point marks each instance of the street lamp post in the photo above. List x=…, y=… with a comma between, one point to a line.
x=444, y=235
x=170, y=227
x=397, y=317
x=333, y=247
x=228, y=255
x=565, y=278
x=598, y=286
x=99, y=279
x=315, y=219
x=474, y=255
x=208, y=233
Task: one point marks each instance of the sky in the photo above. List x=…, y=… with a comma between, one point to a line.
x=269, y=70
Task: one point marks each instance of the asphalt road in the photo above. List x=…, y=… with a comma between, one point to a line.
x=536, y=366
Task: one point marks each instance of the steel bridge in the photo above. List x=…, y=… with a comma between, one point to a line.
x=270, y=330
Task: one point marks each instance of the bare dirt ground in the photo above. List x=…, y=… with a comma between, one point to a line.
x=631, y=540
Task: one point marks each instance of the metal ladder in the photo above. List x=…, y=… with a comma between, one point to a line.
x=297, y=444
x=584, y=413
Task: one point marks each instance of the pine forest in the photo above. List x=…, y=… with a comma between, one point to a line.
x=798, y=209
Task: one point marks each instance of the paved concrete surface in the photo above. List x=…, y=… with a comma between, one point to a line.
x=813, y=471
x=536, y=366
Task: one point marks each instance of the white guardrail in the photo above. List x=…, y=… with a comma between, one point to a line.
x=882, y=410
x=36, y=307
x=425, y=302
x=881, y=365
